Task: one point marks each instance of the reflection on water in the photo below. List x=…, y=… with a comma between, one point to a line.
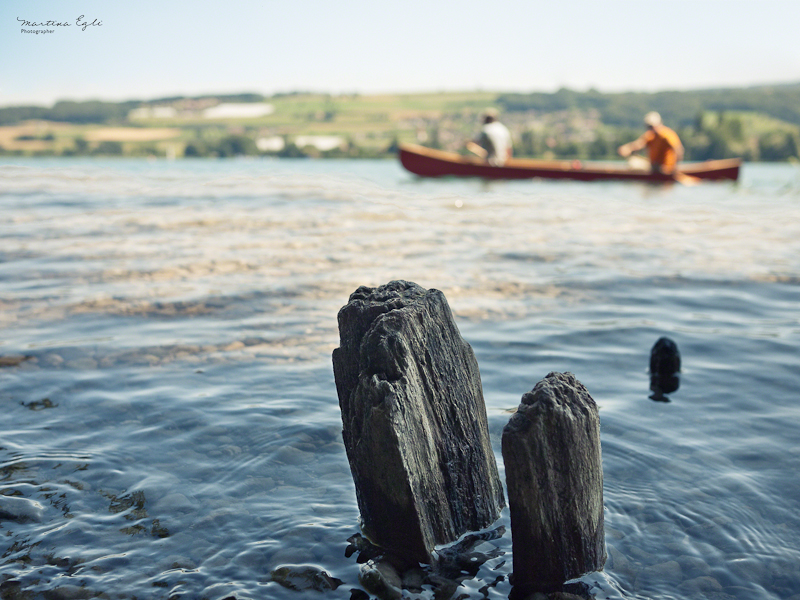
x=170, y=426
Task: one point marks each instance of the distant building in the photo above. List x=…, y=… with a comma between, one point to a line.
x=238, y=110
x=274, y=143
x=323, y=143
x=153, y=112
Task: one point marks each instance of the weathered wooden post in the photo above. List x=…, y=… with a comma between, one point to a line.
x=554, y=475
x=414, y=421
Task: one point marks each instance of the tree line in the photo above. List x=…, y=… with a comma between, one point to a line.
x=710, y=136
x=615, y=109
x=679, y=108
x=98, y=112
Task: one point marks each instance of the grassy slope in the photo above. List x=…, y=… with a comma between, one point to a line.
x=369, y=121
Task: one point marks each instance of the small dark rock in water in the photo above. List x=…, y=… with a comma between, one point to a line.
x=460, y=559
x=40, y=404
x=304, y=577
x=554, y=472
x=13, y=360
x=386, y=576
x=414, y=421
x=665, y=364
x=366, y=550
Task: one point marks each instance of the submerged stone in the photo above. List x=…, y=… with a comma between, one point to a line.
x=304, y=577
x=13, y=360
x=554, y=474
x=414, y=421
x=23, y=510
x=382, y=579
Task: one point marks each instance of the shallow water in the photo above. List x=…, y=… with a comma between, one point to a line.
x=172, y=429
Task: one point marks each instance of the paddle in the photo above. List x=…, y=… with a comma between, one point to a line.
x=476, y=149
x=640, y=163
x=685, y=179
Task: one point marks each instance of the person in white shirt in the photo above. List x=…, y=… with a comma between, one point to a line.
x=494, y=141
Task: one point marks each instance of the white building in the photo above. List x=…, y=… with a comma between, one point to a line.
x=239, y=110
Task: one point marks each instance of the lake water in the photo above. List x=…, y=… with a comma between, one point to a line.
x=170, y=426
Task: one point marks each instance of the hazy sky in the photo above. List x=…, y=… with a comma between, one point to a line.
x=148, y=49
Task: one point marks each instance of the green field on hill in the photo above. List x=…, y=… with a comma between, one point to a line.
x=753, y=123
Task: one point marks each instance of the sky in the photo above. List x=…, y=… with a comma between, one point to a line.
x=149, y=49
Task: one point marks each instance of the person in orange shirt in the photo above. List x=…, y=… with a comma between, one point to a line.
x=663, y=145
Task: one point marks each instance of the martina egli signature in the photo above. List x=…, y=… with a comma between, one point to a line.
x=81, y=22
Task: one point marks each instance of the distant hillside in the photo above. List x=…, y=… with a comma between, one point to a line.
x=680, y=108
x=757, y=123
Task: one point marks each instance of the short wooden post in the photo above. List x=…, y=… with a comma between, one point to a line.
x=554, y=475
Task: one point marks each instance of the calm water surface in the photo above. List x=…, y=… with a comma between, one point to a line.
x=172, y=428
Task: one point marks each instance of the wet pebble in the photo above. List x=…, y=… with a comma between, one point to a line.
x=304, y=577
x=662, y=529
x=175, y=502
x=700, y=585
x=693, y=566
x=81, y=364
x=290, y=455
x=227, y=450
x=554, y=596
x=713, y=535
x=215, y=519
x=331, y=448
x=13, y=360
x=107, y=362
x=337, y=473
x=177, y=562
x=641, y=555
x=619, y=563
x=290, y=555
x=115, y=407
x=216, y=431
x=23, y=510
x=414, y=579
x=70, y=592
x=257, y=485
x=225, y=591
x=750, y=569
x=254, y=558
x=382, y=579
x=667, y=572
x=52, y=360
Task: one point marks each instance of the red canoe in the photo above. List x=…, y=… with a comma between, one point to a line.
x=427, y=162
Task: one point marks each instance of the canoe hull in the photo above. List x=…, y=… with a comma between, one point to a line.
x=426, y=162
